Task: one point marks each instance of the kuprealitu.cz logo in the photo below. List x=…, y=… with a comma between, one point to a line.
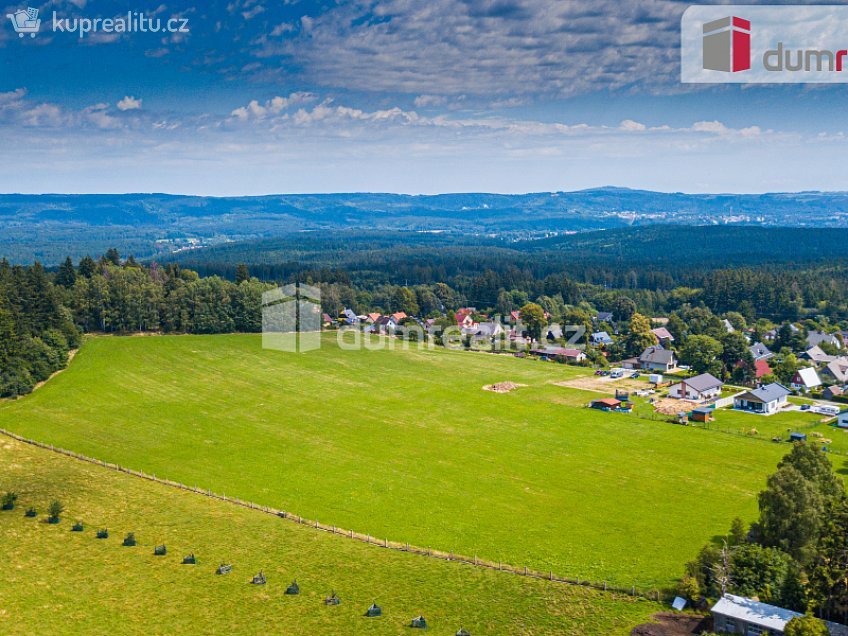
x=27, y=22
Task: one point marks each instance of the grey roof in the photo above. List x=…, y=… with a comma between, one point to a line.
x=602, y=336
x=489, y=329
x=762, y=614
x=704, y=382
x=604, y=315
x=658, y=355
x=769, y=392
x=760, y=351
x=817, y=337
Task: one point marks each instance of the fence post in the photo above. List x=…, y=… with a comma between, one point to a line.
x=552, y=575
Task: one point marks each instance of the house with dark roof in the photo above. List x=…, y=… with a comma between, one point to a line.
x=656, y=358
x=818, y=337
x=765, y=400
x=604, y=316
x=698, y=389
x=760, y=351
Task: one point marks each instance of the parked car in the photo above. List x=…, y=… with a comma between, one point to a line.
x=805, y=407
x=634, y=375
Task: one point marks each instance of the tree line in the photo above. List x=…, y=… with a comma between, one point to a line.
x=795, y=554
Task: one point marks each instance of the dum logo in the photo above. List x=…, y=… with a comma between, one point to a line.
x=291, y=318
x=727, y=45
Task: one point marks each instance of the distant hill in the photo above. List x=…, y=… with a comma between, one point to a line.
x=51, y=226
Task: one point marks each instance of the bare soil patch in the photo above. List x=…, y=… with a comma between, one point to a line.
x=670, y=624
x=603, y=384
x=672, y=406
x=502, y=387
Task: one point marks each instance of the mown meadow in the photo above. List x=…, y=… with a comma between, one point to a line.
x=406, y=445
x=63, y=582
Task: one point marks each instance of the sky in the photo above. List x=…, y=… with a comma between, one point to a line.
x=410, y=96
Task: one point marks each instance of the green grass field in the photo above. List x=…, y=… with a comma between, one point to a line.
x=55, y=581
x=407, y=445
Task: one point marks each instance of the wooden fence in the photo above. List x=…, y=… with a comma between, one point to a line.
x=653, y=594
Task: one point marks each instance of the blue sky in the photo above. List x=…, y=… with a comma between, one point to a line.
x=396, y=95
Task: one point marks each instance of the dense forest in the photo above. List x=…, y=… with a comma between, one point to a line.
x=43, y=312
x=778, y=273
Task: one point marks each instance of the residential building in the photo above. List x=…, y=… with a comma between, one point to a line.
x=601, y=338
x=663, y=335
x=805, y=379
x=833, y=392
x=739, y=615
x=604, y=316
x=656, y=358
x=836, y=370
x=817, y=355
x=698, y=389
x=760, y=351
x=818, y=337
x=568, y=355
x=765, y=400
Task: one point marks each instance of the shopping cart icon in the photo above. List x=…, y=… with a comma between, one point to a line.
x=25, y=21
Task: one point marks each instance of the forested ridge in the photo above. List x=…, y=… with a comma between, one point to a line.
x=788, y=275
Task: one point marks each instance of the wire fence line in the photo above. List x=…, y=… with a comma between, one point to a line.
x=652, y=594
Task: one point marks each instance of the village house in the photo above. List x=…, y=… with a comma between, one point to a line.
x=817, y=355
x=398, y=316
x=805, y=379
x=559, y=353
x=833, y=392
x=728, y=325
x=698, y=389
x=371, y=318
x=465, y=321
x=554, y=332
x=765, y=400
x=601, y=338
x=350, y=316
x=489, y=330
x=836, y=370
x=656, y=358
x=761, y=368
x=385, y=324
x=664, y=336
x=760, y=351
x=818, y=337
x=739, y=615
x=603, y=316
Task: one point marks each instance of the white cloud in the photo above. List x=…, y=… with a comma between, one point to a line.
x=273, y=106
x=426, y=101
x=629, y=124
x=129, y=103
